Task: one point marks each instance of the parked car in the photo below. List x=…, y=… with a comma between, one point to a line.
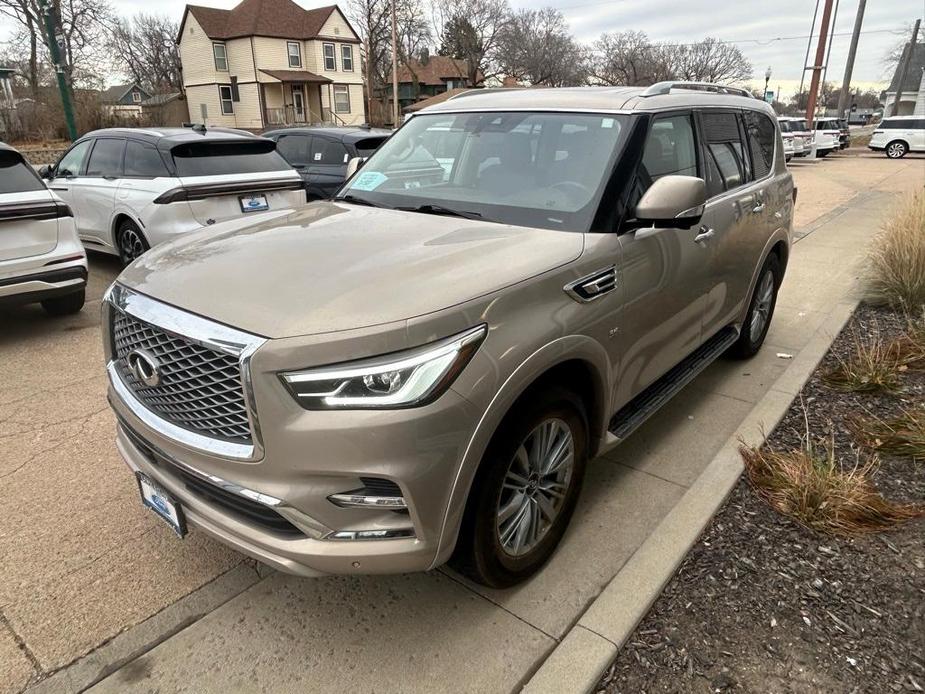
x=799, y=129
x=793, y=141
x=420, y=369
x=320, y=155
x=898, y=135
x=828, y=133
x=133, y=188
x=844, y=135
x=41, y=259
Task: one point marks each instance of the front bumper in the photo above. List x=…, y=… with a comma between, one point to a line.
x=301, y=460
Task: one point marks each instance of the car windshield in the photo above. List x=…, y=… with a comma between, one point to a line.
x=16, y=176
x=543, y=170
x=798, y=125
x=223, y=158
x=784, y=126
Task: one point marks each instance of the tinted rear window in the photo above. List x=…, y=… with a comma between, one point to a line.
x=15, y=175
x=224, y=158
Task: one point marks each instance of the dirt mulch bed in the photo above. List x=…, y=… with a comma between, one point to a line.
x=761, y=604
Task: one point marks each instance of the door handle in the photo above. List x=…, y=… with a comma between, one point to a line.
x=706, y=233
x=759, y=207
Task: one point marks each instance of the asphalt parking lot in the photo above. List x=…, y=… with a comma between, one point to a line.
x=82, y=560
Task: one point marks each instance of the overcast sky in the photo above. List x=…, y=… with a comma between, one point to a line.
x=755, y=25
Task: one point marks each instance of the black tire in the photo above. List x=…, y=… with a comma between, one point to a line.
x=897, y=149
x=130, y=242
x=479, y=553
x=65, y=305
x=750, y=341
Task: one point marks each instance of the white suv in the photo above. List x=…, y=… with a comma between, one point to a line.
x=132, y=189
x=41, y=258
x=898, y=135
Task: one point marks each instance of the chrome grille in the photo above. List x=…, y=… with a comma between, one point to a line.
x=200, y=389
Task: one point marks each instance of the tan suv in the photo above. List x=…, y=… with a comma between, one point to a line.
x=419, y=370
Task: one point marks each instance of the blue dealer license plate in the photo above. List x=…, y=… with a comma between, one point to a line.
x=162, y=503
x=254, y=203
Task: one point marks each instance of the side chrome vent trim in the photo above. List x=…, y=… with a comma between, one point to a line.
x=593, y=286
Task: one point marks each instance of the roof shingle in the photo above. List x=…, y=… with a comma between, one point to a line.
x=437, y=71
x=275, y=18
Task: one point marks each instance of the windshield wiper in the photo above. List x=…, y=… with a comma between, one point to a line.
x=357, y=201
x=439, y=209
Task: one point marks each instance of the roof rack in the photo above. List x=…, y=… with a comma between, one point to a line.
x=483, y=90
x=660, y=88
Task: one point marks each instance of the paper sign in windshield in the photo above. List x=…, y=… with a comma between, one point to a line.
x=368, y=180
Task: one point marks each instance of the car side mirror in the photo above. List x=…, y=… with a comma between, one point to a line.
x=354, y=165
x=45, y=172
x=673, y=201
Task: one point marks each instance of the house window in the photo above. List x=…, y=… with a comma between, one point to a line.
x=221, y=57
x=330, y=62
x=136, y=97
x=295, y=53
x=341, y=98
x=226, y=97
x=346, y=58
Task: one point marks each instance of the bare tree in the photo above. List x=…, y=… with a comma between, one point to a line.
x=537, y=47
x=628, y=58
x=147, y=50
x=710, y=60
x=82, y=25
x=472, y=32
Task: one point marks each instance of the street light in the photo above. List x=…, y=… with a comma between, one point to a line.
x=767, y=78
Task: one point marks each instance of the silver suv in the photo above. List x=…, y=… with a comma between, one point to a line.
x=420, y=370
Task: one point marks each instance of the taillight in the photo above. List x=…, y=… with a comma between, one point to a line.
x=63, y=210
x=172, y=195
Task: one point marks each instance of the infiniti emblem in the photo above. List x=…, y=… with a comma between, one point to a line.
x=145, y=367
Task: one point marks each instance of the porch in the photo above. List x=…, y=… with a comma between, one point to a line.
x=296, y=99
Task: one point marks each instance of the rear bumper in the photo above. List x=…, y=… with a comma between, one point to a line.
x=42, y=285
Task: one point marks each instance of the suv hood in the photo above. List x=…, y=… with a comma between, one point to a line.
x=330, y=267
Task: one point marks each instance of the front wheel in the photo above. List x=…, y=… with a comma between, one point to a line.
x=897, y=149
x=525, y=492
x=760, y=310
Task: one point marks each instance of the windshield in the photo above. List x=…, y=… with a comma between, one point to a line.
x=223, y=158
x=798, y=126
x=784, y=126
x=543, y=170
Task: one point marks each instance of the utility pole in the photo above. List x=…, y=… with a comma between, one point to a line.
x=53, y=48
x=395, y=113
x=817, y=64
x=904, y=67
x=849, y=66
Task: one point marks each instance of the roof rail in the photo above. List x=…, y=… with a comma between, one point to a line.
x=660, y=88
x=471, y=91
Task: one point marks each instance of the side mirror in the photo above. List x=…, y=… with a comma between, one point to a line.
x=45, y=172
x=673, y=201
x=354, y=165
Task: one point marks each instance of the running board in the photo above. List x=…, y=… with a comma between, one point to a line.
x=644, y=405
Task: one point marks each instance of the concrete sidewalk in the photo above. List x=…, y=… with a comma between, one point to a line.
x=436, y=632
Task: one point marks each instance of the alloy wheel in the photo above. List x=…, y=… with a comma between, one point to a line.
x=895, y=150
x=535, y=486
x=761, y=313
x=131, y=244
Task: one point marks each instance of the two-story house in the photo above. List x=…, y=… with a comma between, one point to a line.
x=422, y=79
x=124, y=100
x=270, y=62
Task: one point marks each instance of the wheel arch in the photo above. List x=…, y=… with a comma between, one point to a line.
x=576, y=362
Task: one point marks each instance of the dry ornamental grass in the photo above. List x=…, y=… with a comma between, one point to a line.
x=810, y=486
x=897, y=257
x=874, y=367
x=903, y=435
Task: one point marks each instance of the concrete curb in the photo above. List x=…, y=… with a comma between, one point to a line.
x=580, y=659
x=128, y=645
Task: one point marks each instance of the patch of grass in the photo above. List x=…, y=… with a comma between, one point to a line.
x=910, y=346
x=873, y=367
x=903, y=435
x=809, y=486
x=897, y=257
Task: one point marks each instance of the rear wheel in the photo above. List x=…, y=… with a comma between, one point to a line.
x=760, y=310
x=131, y=242
x=897, y=149
x=65, y=305
x=525, y=492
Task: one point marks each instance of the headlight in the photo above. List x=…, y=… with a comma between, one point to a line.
x=403, y=379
